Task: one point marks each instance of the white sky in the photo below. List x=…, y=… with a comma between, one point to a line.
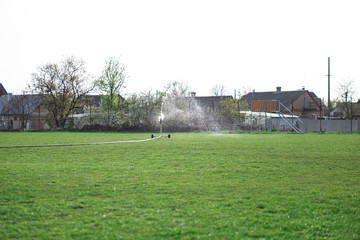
x=259, y=44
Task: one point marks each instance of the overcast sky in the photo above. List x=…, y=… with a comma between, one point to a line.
x=257, y=44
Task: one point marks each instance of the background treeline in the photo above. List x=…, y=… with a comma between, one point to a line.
x=68, y=97
x=67, y=93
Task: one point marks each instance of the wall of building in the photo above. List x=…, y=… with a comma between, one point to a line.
x=37, y=118
x=299, y=106
x=14, y=123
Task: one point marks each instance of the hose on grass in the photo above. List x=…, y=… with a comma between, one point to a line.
x=80, y=144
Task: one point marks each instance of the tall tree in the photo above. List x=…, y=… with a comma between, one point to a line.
x=60, y=85
x=110, y=84
x=231, y=110
x=143, y=110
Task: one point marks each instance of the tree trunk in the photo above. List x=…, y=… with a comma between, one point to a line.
x=108, y=120
x=57, y=123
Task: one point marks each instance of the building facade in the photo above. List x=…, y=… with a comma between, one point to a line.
x=302, y=103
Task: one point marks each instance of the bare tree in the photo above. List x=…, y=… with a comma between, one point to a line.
x=218, y=90
x=60, y=85
x=346, y=94
x=175, y=89
x=243, y=91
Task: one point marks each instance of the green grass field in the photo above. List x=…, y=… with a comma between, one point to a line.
x=191, y=186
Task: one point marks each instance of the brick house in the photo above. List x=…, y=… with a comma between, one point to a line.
x=300, y=102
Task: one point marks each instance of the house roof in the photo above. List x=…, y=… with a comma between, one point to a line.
x=211, y=101
x=285, y=97
x=91, y=99
x=18, y=104
x=206, y=102
x=2, y=90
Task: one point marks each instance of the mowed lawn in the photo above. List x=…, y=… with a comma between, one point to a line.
x=191, y=186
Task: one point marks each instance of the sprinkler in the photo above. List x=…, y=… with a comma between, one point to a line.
x=161, y=118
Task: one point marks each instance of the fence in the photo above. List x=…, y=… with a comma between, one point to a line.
x=254, y=121
x=311, y=125
x=317, y=125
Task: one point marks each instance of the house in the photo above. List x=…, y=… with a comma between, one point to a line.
x=350, y=110
x=210, y=104
x=21, y=112
x=88, y=100
x=205, y=111
x=302, y=102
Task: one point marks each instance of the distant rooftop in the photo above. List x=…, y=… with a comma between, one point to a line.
x=18, y=104
x=2, y=90
x=285, y=97
x=212, y=102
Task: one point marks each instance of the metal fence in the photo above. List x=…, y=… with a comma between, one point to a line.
x=317, y=125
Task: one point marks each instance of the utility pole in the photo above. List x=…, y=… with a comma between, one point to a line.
x=328, y=75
